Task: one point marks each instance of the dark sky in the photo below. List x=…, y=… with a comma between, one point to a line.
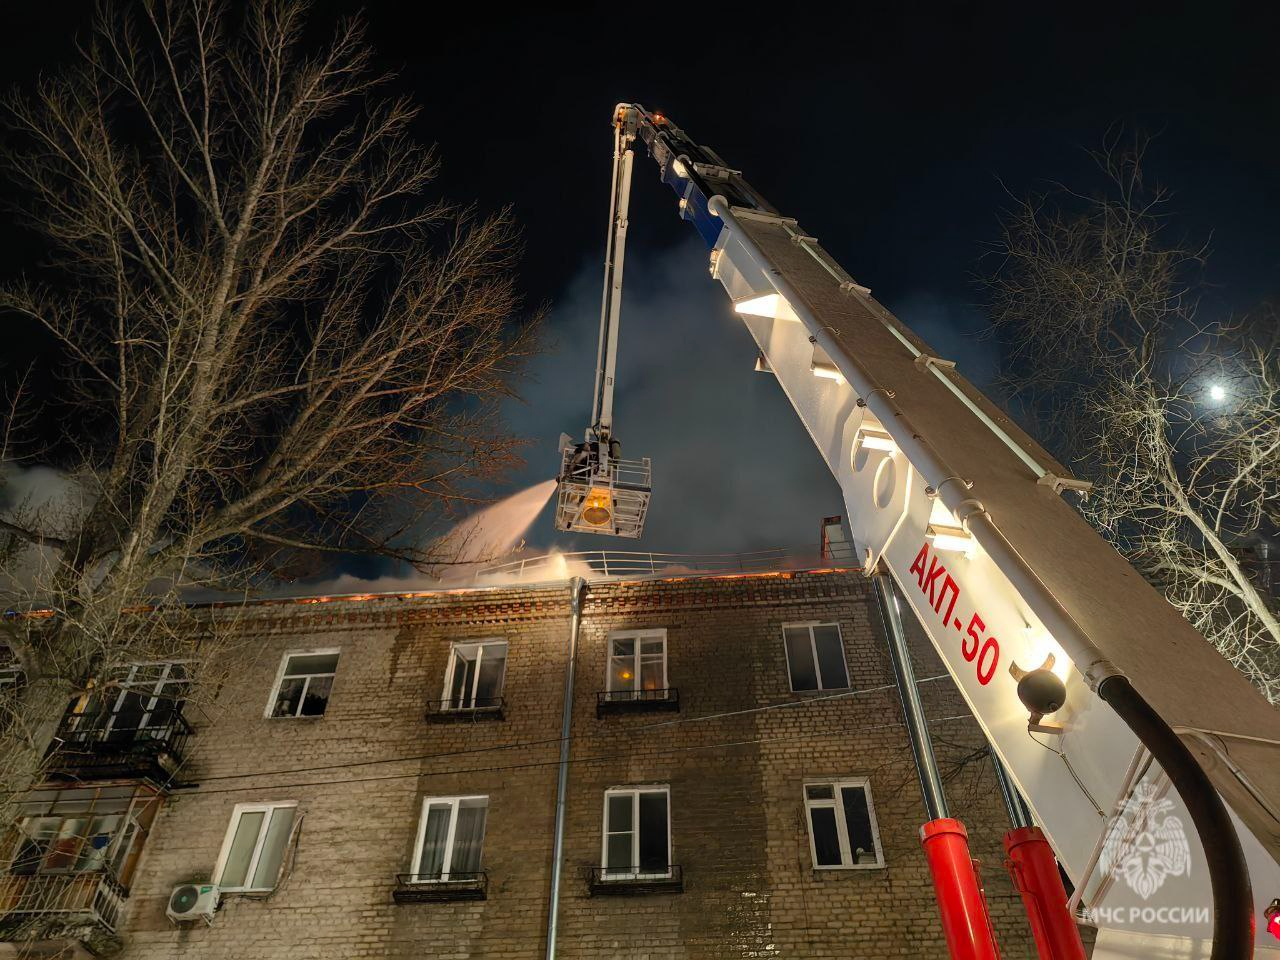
x=891, y=131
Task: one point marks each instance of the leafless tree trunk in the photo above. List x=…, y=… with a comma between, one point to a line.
x=1176, y=417
x=282, y=346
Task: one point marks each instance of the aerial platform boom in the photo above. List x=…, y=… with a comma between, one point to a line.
x=966, y=512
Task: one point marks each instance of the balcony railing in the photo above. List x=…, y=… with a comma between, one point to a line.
x=88, y=899
x=435, y=887
x=637, y=701
x=604, y=881
x=481, y=708
x=105, y=745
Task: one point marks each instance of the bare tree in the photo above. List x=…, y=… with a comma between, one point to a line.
x=1173, y=413
x=280, y=345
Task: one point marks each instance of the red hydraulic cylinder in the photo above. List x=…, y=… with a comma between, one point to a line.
x=965, y=921
x=1035, y=874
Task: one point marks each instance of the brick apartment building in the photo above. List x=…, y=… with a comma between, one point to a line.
x=379, y=777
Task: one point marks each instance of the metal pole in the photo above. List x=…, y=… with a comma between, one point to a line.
x=935, y=800
x=1019, y=816
x=576, y=586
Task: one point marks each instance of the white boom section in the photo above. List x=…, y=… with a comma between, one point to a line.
x=964, y=510
x=611, y=299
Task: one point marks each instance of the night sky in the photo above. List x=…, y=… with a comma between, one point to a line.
x=891, y=134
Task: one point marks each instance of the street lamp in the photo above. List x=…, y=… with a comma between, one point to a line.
x=1217, y=392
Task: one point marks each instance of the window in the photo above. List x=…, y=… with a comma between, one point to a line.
x=815, y=656
x=637, y=662
x=303, y=685
x=842, y=825
x=637, y=832
x=149, y=697
x=450, y=837
x=474, y=678
x=254, y=848
x=85, y=843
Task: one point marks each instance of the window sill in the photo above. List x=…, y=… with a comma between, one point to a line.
x=441, y=712
x=601, y=882
x=851, y=868
x=310, y=719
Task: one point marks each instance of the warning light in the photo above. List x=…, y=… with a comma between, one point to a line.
x=1272, y=913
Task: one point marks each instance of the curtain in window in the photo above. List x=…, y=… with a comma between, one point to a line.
x=468, y=836
x=236, y=869
x=435, y=834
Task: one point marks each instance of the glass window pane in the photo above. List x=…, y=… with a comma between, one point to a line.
x=94, y=852
x=830, y=657
x=493, y=664
x=800, y=659
x=651, y=646
x=65, y=849
x=273, y=848
x=826, y=841
x=317, y=696
x=431, y=863
x=651, y=675
x=619, y=812
x=622, y=673
x=468, y=836
x=624, y=646
x=288, y=698
x=857, y=821
x=618, y=852
x=820, y=791
x=311, y=663
x=235, y=870
x=653, y=832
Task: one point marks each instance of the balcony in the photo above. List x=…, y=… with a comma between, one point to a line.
x=438, y=888
x=602, y=881
x=78, y=906
x=637, y=701
x=102, y=745
x=481, y=708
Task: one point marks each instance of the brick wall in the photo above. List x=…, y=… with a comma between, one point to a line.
x=737, y=814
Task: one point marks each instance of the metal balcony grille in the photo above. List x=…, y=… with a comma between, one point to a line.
x=603, y=881
x=637, y=701
x=101, y=743
x=436, y=887
x=95, y=899
x=481, y=708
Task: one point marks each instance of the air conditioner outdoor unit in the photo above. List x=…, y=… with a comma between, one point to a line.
x=192, y=901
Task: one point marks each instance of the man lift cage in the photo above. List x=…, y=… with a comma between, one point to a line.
x=599, y=493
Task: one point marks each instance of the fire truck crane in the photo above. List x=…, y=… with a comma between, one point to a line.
x=1130, y=752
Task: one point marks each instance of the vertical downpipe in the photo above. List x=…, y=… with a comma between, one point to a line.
x=576, y=586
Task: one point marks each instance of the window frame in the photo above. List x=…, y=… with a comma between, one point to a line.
x=842, y=827
x=270, y=714
x=446, y=698
x=813, y=650
x=268, y=808
x=455, y=804
x=636, y=874
x=639, y=635
x=148, y=692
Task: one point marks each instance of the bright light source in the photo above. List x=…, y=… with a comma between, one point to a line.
x=1217, y=392
x=597, y=509
x=877, y=440
x=950, y=538
x=770, y=305
x=679, y=168
x=828, y=371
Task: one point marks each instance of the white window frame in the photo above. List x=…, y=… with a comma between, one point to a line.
x=446, y=697
x=637, y=635
x=842, y=828
x=813, y=650
x=634, y=792
x=149, y=691
x=454, y=803
x=284, y=663
x=267, y=809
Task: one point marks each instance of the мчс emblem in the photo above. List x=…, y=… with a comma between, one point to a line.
x=1145, y=843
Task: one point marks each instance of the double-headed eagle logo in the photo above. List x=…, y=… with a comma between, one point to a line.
x=1145, y=843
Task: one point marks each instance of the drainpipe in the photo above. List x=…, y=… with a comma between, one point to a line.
x=962, y=903
x=576, y=586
